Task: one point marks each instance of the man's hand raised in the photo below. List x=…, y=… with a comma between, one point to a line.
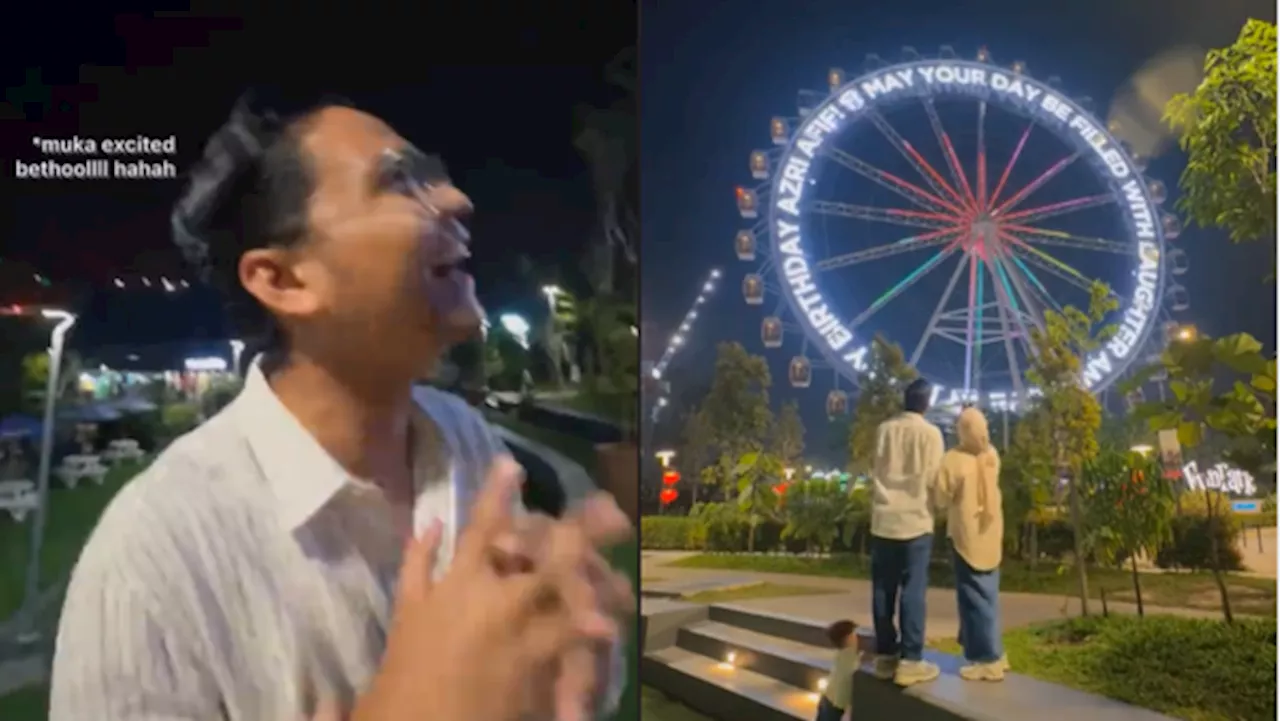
x=466, y=646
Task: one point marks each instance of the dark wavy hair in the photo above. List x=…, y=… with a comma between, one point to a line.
x=248, y=190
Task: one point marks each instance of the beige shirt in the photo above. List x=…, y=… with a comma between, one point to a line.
x=245, y=573
x=968, y=491
x=908, y=454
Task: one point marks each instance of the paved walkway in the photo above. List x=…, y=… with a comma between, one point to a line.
x=853, y=601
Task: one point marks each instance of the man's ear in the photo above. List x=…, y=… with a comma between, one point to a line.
x=269, y=275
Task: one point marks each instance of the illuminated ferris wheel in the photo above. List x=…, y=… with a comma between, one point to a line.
x=946, y=204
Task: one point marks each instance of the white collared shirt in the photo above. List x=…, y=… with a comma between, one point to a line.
x=245, y=573
x=908, y=455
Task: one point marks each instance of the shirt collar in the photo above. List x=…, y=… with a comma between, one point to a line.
x=300, y=473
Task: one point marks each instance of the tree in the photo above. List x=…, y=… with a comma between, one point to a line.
x=1130, y=508
x=1244, y=415
x=1227, y=128
x=756, y=472
x=468, y=358
x=35, y=377
x=857, y=517
x=1027, y=481
x=813, y=511
x=787, y=436
x=1066, y=408
x=879, y=399
x=737, y=406
x=697, y=450
x=509, y=360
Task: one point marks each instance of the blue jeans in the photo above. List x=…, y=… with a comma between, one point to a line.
x=828, y=711
x=978, y=603
x=900, y=577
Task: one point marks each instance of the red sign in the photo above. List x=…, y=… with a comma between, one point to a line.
x=670, y=477
x=668, y=495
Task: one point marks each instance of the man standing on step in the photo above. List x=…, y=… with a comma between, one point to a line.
x=908, y=456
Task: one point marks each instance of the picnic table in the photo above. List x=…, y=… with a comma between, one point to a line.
x=79, y=466
x=122, y=449
x=19, y=498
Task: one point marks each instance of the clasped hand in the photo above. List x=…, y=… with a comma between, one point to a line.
x=517, y=626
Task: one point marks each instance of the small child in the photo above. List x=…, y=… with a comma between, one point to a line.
x=839, y=692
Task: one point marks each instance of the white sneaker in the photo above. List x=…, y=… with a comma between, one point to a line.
x=883, y=667
x=910, y=673
x=993, y=671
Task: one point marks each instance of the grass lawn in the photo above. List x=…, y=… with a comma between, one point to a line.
x=72, y=516
x=28, y=704
x=758, y=590
x=657, y=706
x=1249, y=595
x=1193, y=669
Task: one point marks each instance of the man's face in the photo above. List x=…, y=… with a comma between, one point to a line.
x=377, y=278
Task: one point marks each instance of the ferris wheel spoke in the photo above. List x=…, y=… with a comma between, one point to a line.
x=1045, y=236
x=1005, y=311
x=892, y=216
x=1007, y=293
x=912, y=192
x=921, y=271
x=958, y=177
x=982, y=155
x=1052, y=266
x=1031, y=215
x=905, y=245
x=937, y=313
x=1038, y=287
x=1008, y=168
x=1036, y=184
x=922, y=166
x=1034, y=306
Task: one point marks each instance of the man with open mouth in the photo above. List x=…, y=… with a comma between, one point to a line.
x=259, y=569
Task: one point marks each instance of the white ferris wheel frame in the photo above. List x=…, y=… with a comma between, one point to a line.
x=860, y=100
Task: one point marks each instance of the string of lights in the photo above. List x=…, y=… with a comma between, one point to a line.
x=19, y=270
x=679, y=338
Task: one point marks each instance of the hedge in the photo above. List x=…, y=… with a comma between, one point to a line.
x=1190, y=549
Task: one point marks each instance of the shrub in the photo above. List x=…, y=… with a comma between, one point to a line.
x=178, y=418
x=1192, y=549
x=1190, y=668
x=671, y=533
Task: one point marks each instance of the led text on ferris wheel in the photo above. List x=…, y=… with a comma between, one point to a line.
x=852, y=100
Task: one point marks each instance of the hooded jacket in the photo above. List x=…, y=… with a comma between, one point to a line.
x=968, y=492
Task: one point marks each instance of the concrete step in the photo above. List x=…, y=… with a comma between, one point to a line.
x=724, y=691
x=791, y=628
x=799, y=664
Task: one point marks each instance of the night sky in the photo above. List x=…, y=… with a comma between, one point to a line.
x=490, y=86
x=713, y=74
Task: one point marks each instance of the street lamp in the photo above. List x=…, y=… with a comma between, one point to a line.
x=551, y=292
x=1187, y=333
x=517, y=326
x=237, y=347
x=56, y=342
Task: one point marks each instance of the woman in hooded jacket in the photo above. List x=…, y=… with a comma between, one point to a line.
x=968, y=493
